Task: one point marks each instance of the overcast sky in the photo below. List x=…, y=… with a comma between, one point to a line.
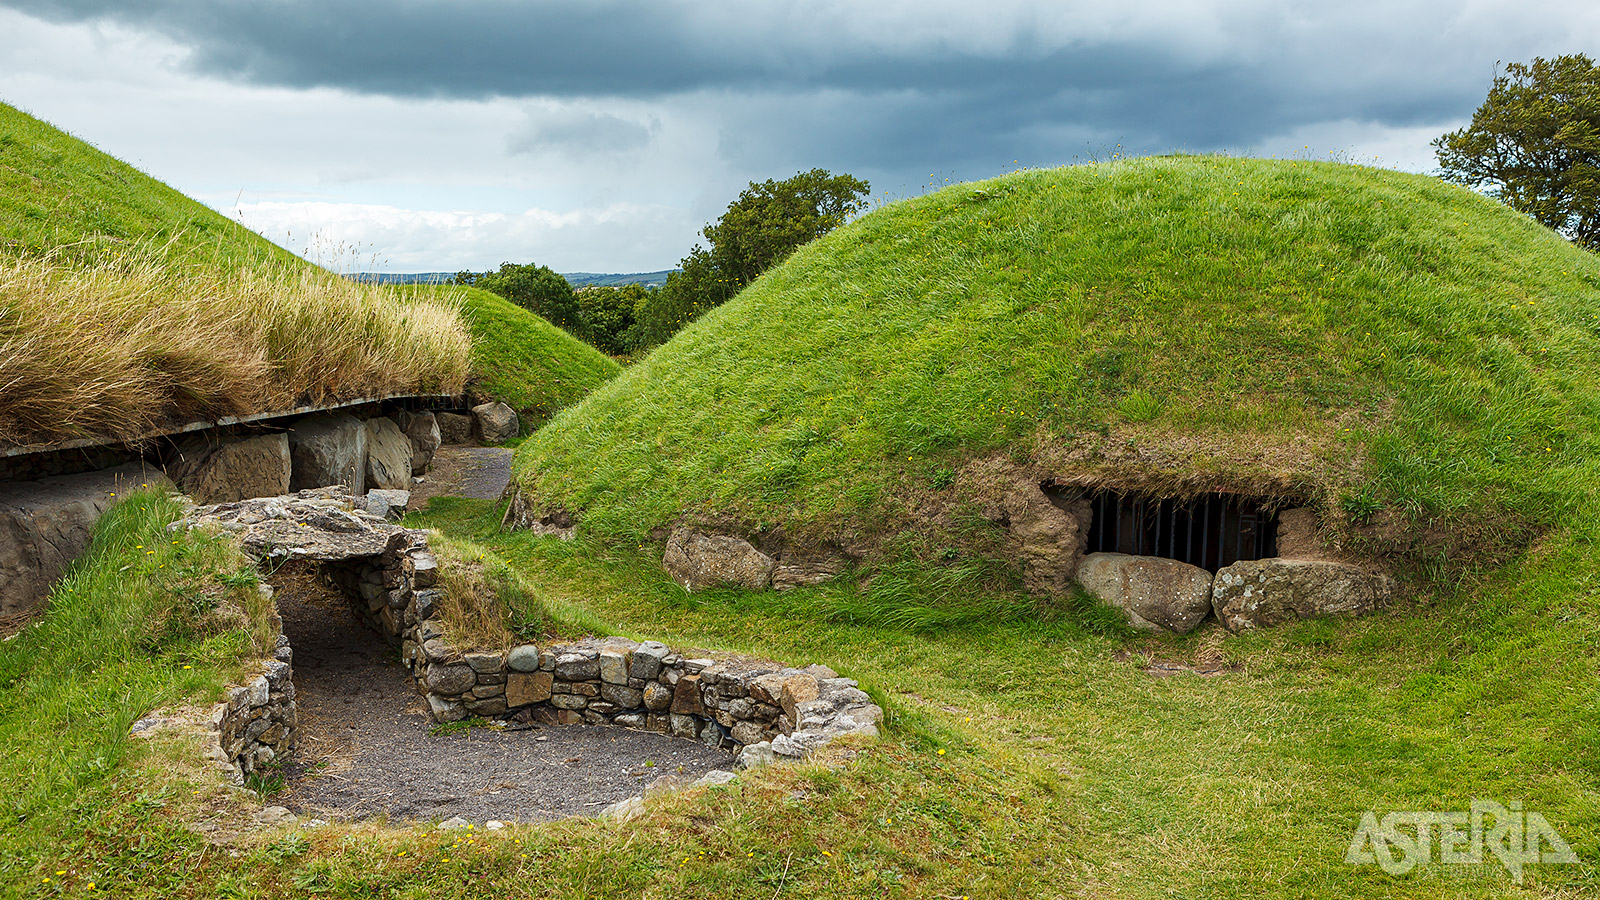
x=600, y=135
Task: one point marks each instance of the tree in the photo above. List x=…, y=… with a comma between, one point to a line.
x=760, y=229
x=1536, y=143
x=608, y=315
x=535, y=288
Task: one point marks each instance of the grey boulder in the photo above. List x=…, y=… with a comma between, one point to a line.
x=45, y=526
x=1155, y=594
x=236, y=470
x=388, y=456
x=454, y=428
x=1265, y=592
x=497, y=422
x=699, y=561
x=328, y=449
x=423, y=430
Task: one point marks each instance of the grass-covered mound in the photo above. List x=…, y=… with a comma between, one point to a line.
x=126, y=306
x=58, y=194
x=1378, y=343
x=521, y=359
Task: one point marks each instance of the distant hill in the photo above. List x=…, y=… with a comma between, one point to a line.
x=577, y=279
x=590, y=279
x=404, y=278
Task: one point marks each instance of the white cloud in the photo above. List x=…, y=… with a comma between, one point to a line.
x=373, y=237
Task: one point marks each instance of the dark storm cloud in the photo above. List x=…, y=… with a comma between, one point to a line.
x=905, y=99
x=576, y=132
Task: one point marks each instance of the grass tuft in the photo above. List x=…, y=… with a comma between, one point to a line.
x=121, y=347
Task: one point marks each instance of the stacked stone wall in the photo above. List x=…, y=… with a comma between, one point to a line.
x=759, y=708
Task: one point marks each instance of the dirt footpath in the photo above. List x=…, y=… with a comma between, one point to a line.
x=368, y=748
x=481, y=473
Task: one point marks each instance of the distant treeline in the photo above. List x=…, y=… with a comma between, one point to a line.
x=625, y=315
x=576, y=279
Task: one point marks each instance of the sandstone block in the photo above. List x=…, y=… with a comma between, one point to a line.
x=686, y=696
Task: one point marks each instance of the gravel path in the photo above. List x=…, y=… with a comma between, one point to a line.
x=367, y=747
x=460, y=471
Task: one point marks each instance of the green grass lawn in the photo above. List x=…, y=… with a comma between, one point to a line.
x=521, y=359
x=1027, y=755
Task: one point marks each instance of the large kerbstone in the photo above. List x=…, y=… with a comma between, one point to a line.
x=1155, y=594
x=700, y=561
x=1265, y=592
x=45, y=526
x=328, y=449
x=423, y=430
x=1050, y=539
x=388, y=456
x=497, y=422
x=237, y=470
x=454, y=428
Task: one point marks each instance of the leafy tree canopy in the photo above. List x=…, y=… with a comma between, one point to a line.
x=760, y=229
x=1536, y=143
x=608, y=314
x=535, y=288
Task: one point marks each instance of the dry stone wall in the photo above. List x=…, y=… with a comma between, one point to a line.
x=259, y=722
x=761, y=709
x=732, y=702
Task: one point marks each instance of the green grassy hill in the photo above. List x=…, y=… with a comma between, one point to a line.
x=58, y=192
x=179, y=312
x=521, y=359
x=1360, y=338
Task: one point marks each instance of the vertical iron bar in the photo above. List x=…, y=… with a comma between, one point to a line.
x=1118, y=547
x=1172, y=529
x=1205, y=534
x=1188, y=550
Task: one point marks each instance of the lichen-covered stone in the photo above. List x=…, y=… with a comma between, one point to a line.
x=698, y=561
x=1155, y=594
x=657, y=697
x=1265, y=592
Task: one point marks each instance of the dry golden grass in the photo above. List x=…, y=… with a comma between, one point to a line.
x=120, y=348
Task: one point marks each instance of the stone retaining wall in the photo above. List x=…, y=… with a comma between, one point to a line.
x=761, y=708
x=259, y=722
x=731, y=703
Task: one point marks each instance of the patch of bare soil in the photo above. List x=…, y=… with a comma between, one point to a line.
x=368, y=748
x=460, y=471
